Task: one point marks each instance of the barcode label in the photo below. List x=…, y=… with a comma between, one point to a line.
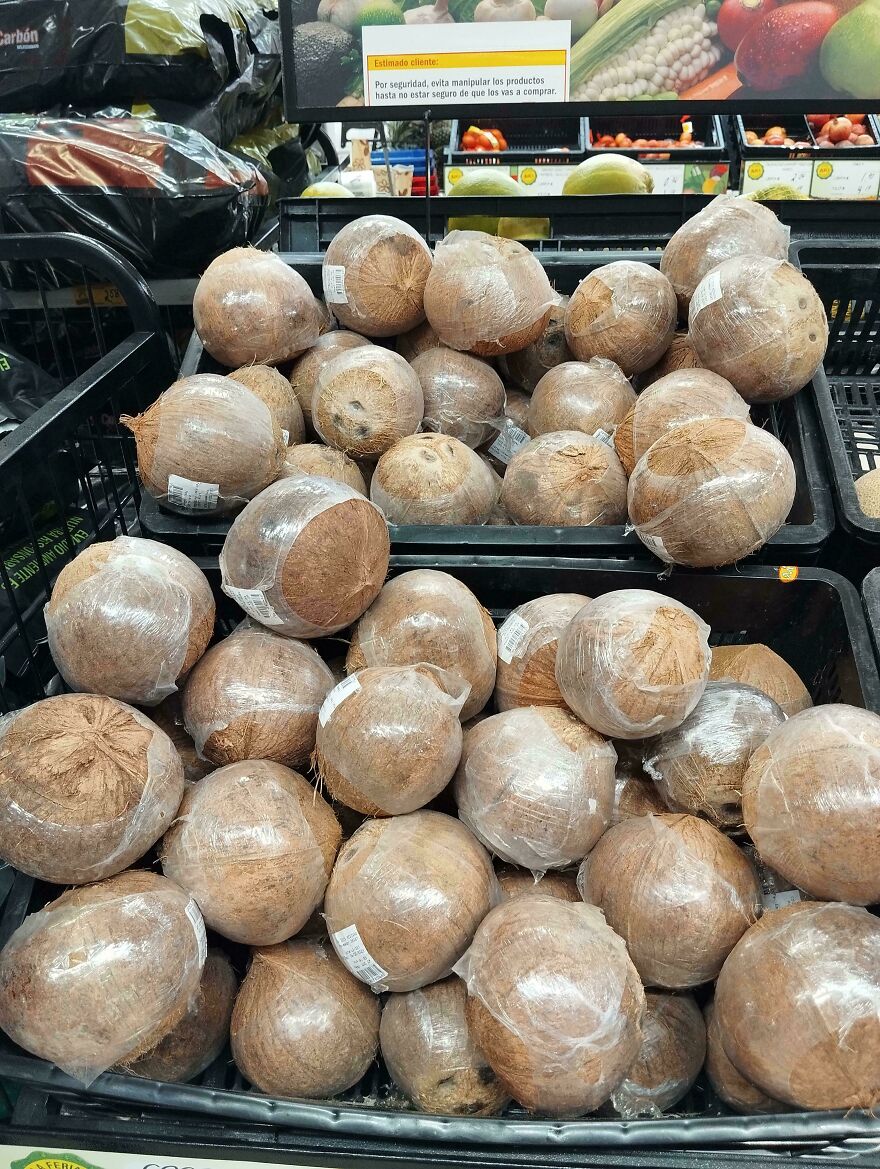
x=285, y=434
x=333, y=279
x=254, y=603
x=511, y=636
x=603, y=436
x=198, y=924
x=508, y=442
x=351, y=949
x=337, y=695
x=777, y=900
x=193, y=496
x=708, y=291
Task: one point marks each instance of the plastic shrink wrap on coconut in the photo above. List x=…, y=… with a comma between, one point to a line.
x=365, y=399
x=526, y=367
x=304, y=371
x=732, y=1087
x=313, y=458
x=759, y=666
x=464, y=396
x=679, y=355
x=565, y=479
x=527, y=644
x=588, y=396
x=433, y=479
x=670, y=1057
x=516, y=882
x=273, y=389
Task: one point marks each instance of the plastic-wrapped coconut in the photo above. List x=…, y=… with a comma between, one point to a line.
x=516, y=882
x=516, y=407
x=711, y=492
x=168, y=717
x=417, y=340
x=304, y=371
x=679, y=355
x=554, y=1003
x=464, y=396
x=759, y=323
x=580, y=395
x=207, y=445
x=365, y=400
x=565, y=479
x=734, y=1089
x=527, y=644
x=273, y=388
x=129, y=618
x=634, y=796
x=669, y=1060
x=678, y=892
x=433, y=479
x=311, y=458
x=88, y=786
x=307, y=557
x=526, y=367
x=759, y=666
x=249, y=306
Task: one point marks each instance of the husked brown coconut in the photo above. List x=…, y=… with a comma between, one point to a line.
x=256, y=695
x=554, y=1003
x=759, y=323
x=416, y=341
x=273, y=388
x=365, y=400
x=670, y=1058
x=304, y=371
x=429, y=616
x=811, y=802
x=427, y=1047
x=730, y=225
x=103, y=973
x=796, y=1004
x=249, y=306
x=516, y=407
x=405, y=897
x=711, y=492
x=389, y=738
x=678, y=892
x=326, y=319
x=699, y=766
x=535, y=786
x=527, y=644
x=526, y=367
x=433, y=479
x=580, y=395
x=207, y=445
x=307, y=557
x=517, y=882
x=464, y=396
x=732, y=1088
x=129, y=618
x=624, y=311
x=312, y=458
x=679, y=355
x=634, y=796
x=565, y=479
x=486, y=294
x=87, y=785
x=253, y=845
x=759, y=666
x=633, y=663
x=168, y=716
x=375, y=270
x=302, y=1025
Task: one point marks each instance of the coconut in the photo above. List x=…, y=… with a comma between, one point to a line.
x=464, y=396
x=311, y=458
x=516, y=407
x=256, y=695
x=669, y=1060
x=633, y=663
x=87, y=785
x=384, y=265
x=759, y=323
x=796, y=1005
x=201, y=1034
x=709, y=493
x=536, y=786
x=416, y=341
x=103, y=973
x=273, y=388
x=304, y=371
x=565, y=479
x=486, y=294
x=527, y=643
x=516, y=882
x=634, y=796
x=735, y=1090
x=254, y=845
x=129, y=618
x=430, y=1055
x=580, y=395
x=302, y=1025
x=206, y=446
x=679, y=355
x=699, y=766
x=168, y=716
x=868, y=493
x=554, y=1003
x=526, y=367
x=624, y=311
x=433, y=479
x=389, y=738
x=326, y=319
x=307, y=557
x=730, y=225
x=429, y=616
x=678, y=892
x=405, y=897
x=811, y=802
x=249, y=306
x=365, y=400
x=758, y=666
x=686, y=396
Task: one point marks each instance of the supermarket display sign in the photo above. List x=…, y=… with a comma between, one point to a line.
x=22, y=1157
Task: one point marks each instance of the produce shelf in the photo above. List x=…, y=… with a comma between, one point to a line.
x=694, y=170
x=818, y=172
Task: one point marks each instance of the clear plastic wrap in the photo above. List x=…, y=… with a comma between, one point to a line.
x=416, y=341
x=304, y=371
x=679, y=355
x=516, y=408
x=811, y=802
x=759, y=666
x=405, y=898
x=587, y=396
x=253, y=844
x=312, y=458
x=302, y=1025
x=670, y=1058
x=709, y=493
x=464, y=396
x=554, y=1003
x=699, y=766
x=433, y=479
x=273, y=388
x=798, y=1006
x=624, y=311
x=633, y=663
x=527, y=643
x=389, y=737
x=256, y=695
x=565, y=479
x=206, y=446
x=487, y=294
x=129, y=618
x=526, y=367
x=634, y=796
x=678, y=892
x=306, y=557
x=103, y=973
x=760, y=323
x=733, y=1088
x=516, y=882
x=88, y=785
x=168, y=716
x=536, y=786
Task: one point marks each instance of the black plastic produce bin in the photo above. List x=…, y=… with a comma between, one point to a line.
x=529, y=140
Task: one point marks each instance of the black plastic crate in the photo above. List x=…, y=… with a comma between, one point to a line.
x=871, y=602
x=706, y=127
x=529, y=140
x=800, y=130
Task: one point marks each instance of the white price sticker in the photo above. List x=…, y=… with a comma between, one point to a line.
x=708, y=291
x=198, y=924
x=777, y=900
x=603, y=436
x=351, y=949
x=511, y=636
x=192, y=496
x=333, y=279
x=508, y=442
x=285, y=434
x=337, y=695
x=254, y=603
